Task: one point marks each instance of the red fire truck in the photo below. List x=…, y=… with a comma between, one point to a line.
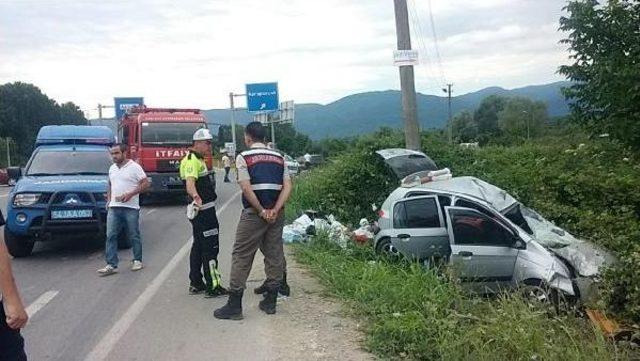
x=158, y=138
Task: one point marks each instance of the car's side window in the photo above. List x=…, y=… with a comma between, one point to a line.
x=471, y=227
x=399, y=216
x=416, y=213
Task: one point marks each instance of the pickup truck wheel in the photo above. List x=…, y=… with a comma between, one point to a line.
x=18, y=246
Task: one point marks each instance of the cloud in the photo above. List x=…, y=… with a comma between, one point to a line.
x=193, y=53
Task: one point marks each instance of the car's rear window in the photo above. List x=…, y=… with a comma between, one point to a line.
x=405, y=165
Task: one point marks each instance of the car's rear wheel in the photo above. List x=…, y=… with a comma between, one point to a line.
x=18, y=246
x=388, y=250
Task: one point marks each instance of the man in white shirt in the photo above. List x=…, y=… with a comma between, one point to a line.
x=226, y=162
x=126, y=181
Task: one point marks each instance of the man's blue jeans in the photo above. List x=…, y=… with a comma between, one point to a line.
x=121, y=219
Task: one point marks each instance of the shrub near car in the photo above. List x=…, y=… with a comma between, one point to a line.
x=63, y=187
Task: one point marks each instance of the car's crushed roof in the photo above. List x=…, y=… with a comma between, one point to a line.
x=474, y=188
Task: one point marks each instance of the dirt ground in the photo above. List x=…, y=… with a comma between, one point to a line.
x=311, y=326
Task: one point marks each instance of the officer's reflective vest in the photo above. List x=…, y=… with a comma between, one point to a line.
x=205, y=183
x=266, y=170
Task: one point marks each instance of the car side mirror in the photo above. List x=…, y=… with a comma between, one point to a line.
x=519, y=244
x=14, y=173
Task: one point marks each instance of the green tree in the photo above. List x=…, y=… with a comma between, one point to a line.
x=24, y=109
x=486, y=116
x=289, y=140
x=464, y=127
x=604, y=40
x=523, y=118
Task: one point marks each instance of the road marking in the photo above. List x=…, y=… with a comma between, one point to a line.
x=106, y=344
x=42, y=301
x=151, y=211
x=4, y=195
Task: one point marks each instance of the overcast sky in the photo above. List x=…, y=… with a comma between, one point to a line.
x=192, y=53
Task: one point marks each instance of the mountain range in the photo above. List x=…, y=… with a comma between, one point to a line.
x=366, y=112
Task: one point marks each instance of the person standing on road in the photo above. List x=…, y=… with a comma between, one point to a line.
x=266, y=186
x=126, y=181
x=13, y=316
x=201, y=187
x=226, y=162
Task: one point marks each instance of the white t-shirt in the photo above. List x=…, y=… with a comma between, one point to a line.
x=226, y=161
x=124, y=180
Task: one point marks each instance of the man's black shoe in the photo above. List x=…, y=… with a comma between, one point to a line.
x=268, y=304
x=218, y=291
x=193, y=290
x=233, y=309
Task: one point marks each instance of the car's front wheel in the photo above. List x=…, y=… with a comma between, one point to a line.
x=18, y=246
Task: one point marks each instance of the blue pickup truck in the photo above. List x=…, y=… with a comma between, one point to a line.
x=63, y=188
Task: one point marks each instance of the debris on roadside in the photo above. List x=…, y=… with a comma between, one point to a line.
x=312, y=223
x=365, y=233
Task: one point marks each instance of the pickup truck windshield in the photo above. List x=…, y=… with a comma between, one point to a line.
x=61, y=162
x=154, y=134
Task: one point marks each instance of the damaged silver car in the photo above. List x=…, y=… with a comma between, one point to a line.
x=493, y=240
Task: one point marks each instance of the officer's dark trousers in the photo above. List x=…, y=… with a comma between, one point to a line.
x=11, y=343
x=204, y=250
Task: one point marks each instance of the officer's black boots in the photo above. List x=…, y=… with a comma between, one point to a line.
x=233, y=309
x=284, y=286
x=283, y=290
x=268, y=304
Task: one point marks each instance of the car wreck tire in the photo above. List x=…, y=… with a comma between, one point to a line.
x=387, y=249
x=18, y=246
x=540, y=295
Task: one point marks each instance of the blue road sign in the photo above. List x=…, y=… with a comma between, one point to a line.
x=122, y=104
x=262, y=97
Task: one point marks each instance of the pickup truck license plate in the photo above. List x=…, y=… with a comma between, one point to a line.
x=72, y=214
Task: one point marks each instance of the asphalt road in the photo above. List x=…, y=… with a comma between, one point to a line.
x=146, y=315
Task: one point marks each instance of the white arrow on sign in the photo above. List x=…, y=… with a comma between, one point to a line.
x=263, y=105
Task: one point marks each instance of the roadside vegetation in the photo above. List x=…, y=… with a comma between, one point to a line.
x=412, y=313
x=585, y=186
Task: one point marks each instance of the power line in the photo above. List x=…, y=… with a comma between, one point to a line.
x=430, y=72
x=435, y=41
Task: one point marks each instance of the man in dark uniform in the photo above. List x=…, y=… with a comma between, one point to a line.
x=266, y=186
x=13, y=316
x=200, y=184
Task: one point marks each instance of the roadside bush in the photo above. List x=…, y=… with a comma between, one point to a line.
x=413, y=313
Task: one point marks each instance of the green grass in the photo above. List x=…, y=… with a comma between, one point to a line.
x=413, y=313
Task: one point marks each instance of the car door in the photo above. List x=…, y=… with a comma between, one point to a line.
x=418, y=228
x=482, y=249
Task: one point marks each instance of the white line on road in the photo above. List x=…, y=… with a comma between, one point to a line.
x=42, y=301
x=103, y=348
x=151, y=211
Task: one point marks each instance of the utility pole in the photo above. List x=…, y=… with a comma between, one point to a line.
x=8, y=152
x=100, y=107
x=233, y=120
x=273, y=134
x=448, y=91
x=407, y=85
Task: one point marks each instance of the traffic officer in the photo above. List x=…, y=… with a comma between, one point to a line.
x=200, y=185
x=266, y=186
